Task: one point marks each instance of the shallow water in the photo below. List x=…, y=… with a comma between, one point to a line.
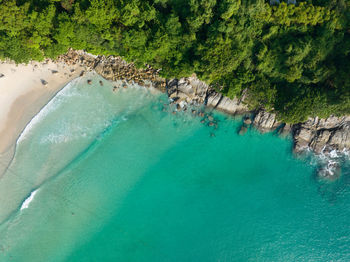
x=109, y=176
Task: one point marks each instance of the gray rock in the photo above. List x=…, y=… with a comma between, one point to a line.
x=1, y=75
x=302, y=138
x=265, y=122
x=315, y=133
x=43, y=82
x=340, y=138
x=232, y=106
x=330, y=122
x=285, y=130
x=331, y=171
x=179, y=96
x=304, y=134
x=243, y=130
x=213, y=99
x=321, y=135
x=196, y=92
x=319, y=142
x=247, y=121
x=185, y=87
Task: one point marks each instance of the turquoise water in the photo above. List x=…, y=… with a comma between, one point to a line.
x=109, y=176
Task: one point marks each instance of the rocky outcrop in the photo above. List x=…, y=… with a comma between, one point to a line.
x=322, y=135
x=266, y=122
x=115, y=68
x=195, y=92
x=319, y=135
x=189, y=90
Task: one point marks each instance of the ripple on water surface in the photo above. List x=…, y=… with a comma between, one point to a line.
x=109, y=176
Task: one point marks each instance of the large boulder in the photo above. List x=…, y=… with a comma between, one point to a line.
x=233, y=106
x=340, y=138
x=323, y=135
x=196, y=92
x=265, y=122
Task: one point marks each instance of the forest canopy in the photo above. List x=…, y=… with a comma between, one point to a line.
x=291, y=57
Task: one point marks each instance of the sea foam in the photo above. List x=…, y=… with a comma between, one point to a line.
x=49, y=107
x=29, y=199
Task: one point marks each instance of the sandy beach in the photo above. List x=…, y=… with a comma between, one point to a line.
x=24, y=90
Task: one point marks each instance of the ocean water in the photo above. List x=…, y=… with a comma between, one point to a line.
x=115, y=176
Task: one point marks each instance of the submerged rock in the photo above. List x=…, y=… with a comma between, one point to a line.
x=196, y=92
x=247, y=121
x=331, y=171
x=242, y=130
x=318, y=135
x=321, y=135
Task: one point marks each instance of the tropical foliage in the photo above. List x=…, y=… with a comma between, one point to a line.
x=292, y=58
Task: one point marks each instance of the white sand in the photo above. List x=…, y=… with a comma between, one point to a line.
x=22, y=95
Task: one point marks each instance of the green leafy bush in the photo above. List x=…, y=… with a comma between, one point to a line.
x=292, y=59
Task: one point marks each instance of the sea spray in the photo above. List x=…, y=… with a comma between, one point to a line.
x=52, y=105
x=329, y=164
x=63, y=129
x=29, y=199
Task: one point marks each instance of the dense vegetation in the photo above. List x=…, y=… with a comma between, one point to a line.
x=293, y=58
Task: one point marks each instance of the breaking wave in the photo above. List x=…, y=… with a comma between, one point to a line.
x=29, y=199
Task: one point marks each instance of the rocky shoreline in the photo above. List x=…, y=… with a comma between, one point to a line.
x=321, y=136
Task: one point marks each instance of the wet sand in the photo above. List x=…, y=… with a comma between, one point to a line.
x=24, y=90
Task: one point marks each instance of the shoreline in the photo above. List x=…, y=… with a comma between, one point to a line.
x=24, y=90
x=320, y=136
